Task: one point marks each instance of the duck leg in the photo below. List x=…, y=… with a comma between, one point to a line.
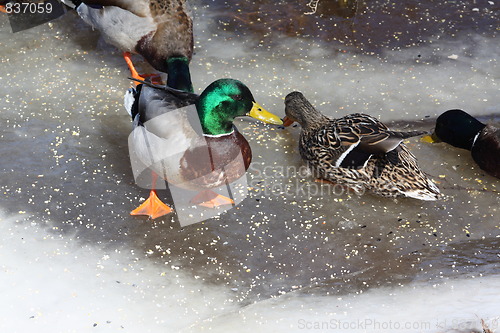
x=153, y=206
x=155, y=78
x=210, y=199
x=2, y=9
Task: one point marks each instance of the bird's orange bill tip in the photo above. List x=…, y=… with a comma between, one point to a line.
x=287, y=121
x=152, y=207
x=210, y=199
x=432, y=138
x=259, y=113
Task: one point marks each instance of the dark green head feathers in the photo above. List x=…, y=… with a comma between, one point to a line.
x=221, y=102
x=179, y=76
x=458, y=128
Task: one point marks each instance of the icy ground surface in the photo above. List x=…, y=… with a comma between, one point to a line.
x=292, y=256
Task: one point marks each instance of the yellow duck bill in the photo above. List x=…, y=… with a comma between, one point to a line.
x=258, y=112
x=431, y=138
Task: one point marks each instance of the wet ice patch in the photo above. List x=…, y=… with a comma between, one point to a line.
x=54, y=283
x=63, y=285
x=394, y=84
x=447, y=306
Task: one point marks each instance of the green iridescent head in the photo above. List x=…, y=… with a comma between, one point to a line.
x=224, y=100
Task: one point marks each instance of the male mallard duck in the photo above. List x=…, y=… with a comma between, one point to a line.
x=358, y=151
x=159, y=30
x=460, y=129
x=189, y=155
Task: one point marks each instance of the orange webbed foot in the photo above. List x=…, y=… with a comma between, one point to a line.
x=155, y=78
x=152, y=207
x=210, y=199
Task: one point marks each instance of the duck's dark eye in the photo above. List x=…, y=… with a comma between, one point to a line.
x=237, y=97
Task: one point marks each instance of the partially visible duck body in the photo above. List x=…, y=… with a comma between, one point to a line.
x=460, y=129
x=159, y=30
x=358, y=151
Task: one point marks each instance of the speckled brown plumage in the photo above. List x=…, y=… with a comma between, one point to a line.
x=358, y=151
x=166, y=29
x=174, y=34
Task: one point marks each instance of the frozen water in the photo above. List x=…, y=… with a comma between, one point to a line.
x=293, y=254
x=54, y=283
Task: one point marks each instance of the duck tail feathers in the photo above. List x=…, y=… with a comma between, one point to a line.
x=426, y=194
x=417, y=185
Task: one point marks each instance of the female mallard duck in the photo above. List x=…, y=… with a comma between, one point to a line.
x=460, y=129
x=194, y=152
x=159, y=30
x=358, y=151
